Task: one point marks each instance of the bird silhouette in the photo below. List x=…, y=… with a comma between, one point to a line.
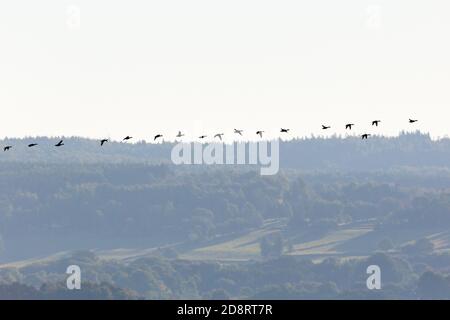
x=365, y=136
x=412, y=121
x=376, y=122
x=325, y=127
x=59, y=144
x=239, y=132
x=127, y=138
x=179, y=135
x=219, y=135
x=157, y=137
x=7, y=148
x=260, y=133
x=103, y=141
x=284, y=130
x=32, y=145
x=202, y=137
x=349, y=126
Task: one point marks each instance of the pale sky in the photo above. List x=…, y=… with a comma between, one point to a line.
x=145, y=67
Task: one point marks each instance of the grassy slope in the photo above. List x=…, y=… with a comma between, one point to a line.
x=348, y=241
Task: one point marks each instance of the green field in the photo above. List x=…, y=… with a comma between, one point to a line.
x=346, y=242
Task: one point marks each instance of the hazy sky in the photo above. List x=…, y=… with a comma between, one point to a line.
x=147, y=67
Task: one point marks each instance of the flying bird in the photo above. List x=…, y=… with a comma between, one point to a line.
x=412, y=121
x=7, y=148
x=365, y=136
x=325, y=127
x=179, y=135
x=157, y=137
x=32, y=145
x=127, y=138
x=202, y=137
x=239, y=132
x=284, y=130
x=219, y=135
x=260, y=133
x=349, y=126
x=59, y=144
x=103, y=141
x=376, y=122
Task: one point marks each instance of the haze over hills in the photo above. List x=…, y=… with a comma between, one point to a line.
x=335, y=205
x=334, y=82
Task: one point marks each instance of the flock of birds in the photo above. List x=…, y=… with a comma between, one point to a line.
x=240, y=132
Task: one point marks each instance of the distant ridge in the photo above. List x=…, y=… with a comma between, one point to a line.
x=318, y=153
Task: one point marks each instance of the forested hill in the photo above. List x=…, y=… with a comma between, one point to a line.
x=376, y=153
x=352, y=153
x=165, y=231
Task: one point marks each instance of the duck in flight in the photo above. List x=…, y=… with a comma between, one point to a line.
x=179, y=135
x=260, y=133
x=202, y=137
x=376, y=122
x=325, y=127
x=31, y=145
x=349, y=126
x=219, y=135
x=59, y=144
x=284, y=130
x=365, y=136
x=103, y=141
x=239, y=132
x=127, y=138
x=157, y=137
x=7, y=148
x=412, y=121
